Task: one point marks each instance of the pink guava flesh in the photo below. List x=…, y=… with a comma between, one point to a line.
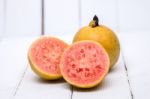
x=46, y=53
x=85, y=63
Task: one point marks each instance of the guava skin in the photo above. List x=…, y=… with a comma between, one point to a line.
x=102, y=35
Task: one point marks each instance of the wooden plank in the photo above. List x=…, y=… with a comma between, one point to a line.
x=33, y=86
x=106, y=10
x=1, y=17
x=115, y=85
x=23, y=17
x=13, y=62
x=136, y=49
x=61, y=17
x=134, y=15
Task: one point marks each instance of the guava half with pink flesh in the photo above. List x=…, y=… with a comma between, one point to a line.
x=44, y=57
x=84, y=64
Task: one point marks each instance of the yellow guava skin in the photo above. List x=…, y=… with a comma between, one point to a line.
x=103, y=35
x=41, y=73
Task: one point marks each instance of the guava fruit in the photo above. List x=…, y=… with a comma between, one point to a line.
x=103, y=35
x=44, y=57
x=84, y=64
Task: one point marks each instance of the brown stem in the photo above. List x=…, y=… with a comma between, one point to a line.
x=94, y=22
x=95, y=18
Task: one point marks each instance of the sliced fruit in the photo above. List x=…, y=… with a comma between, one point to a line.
x=84, y=64
x=44, y=57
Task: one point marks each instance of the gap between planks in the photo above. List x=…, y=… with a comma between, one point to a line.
x=71, y=97
x=128, y=79
x=42, y=17
x=79, y=12
x=20, y=81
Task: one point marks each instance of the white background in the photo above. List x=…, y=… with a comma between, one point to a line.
x=21, y=22
x=64, y=17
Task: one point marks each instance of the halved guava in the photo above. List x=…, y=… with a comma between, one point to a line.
x=84, y=64
x=44, y=57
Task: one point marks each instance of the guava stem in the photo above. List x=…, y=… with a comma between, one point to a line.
x=95, y=18
x=94, y=22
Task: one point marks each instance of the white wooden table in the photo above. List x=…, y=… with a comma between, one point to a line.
x=20, y=24
x=129, y=79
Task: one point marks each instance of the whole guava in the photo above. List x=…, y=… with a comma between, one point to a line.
x=103, y=35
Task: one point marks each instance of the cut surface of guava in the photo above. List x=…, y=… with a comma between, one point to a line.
x=84, y=64
x=44, y=56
